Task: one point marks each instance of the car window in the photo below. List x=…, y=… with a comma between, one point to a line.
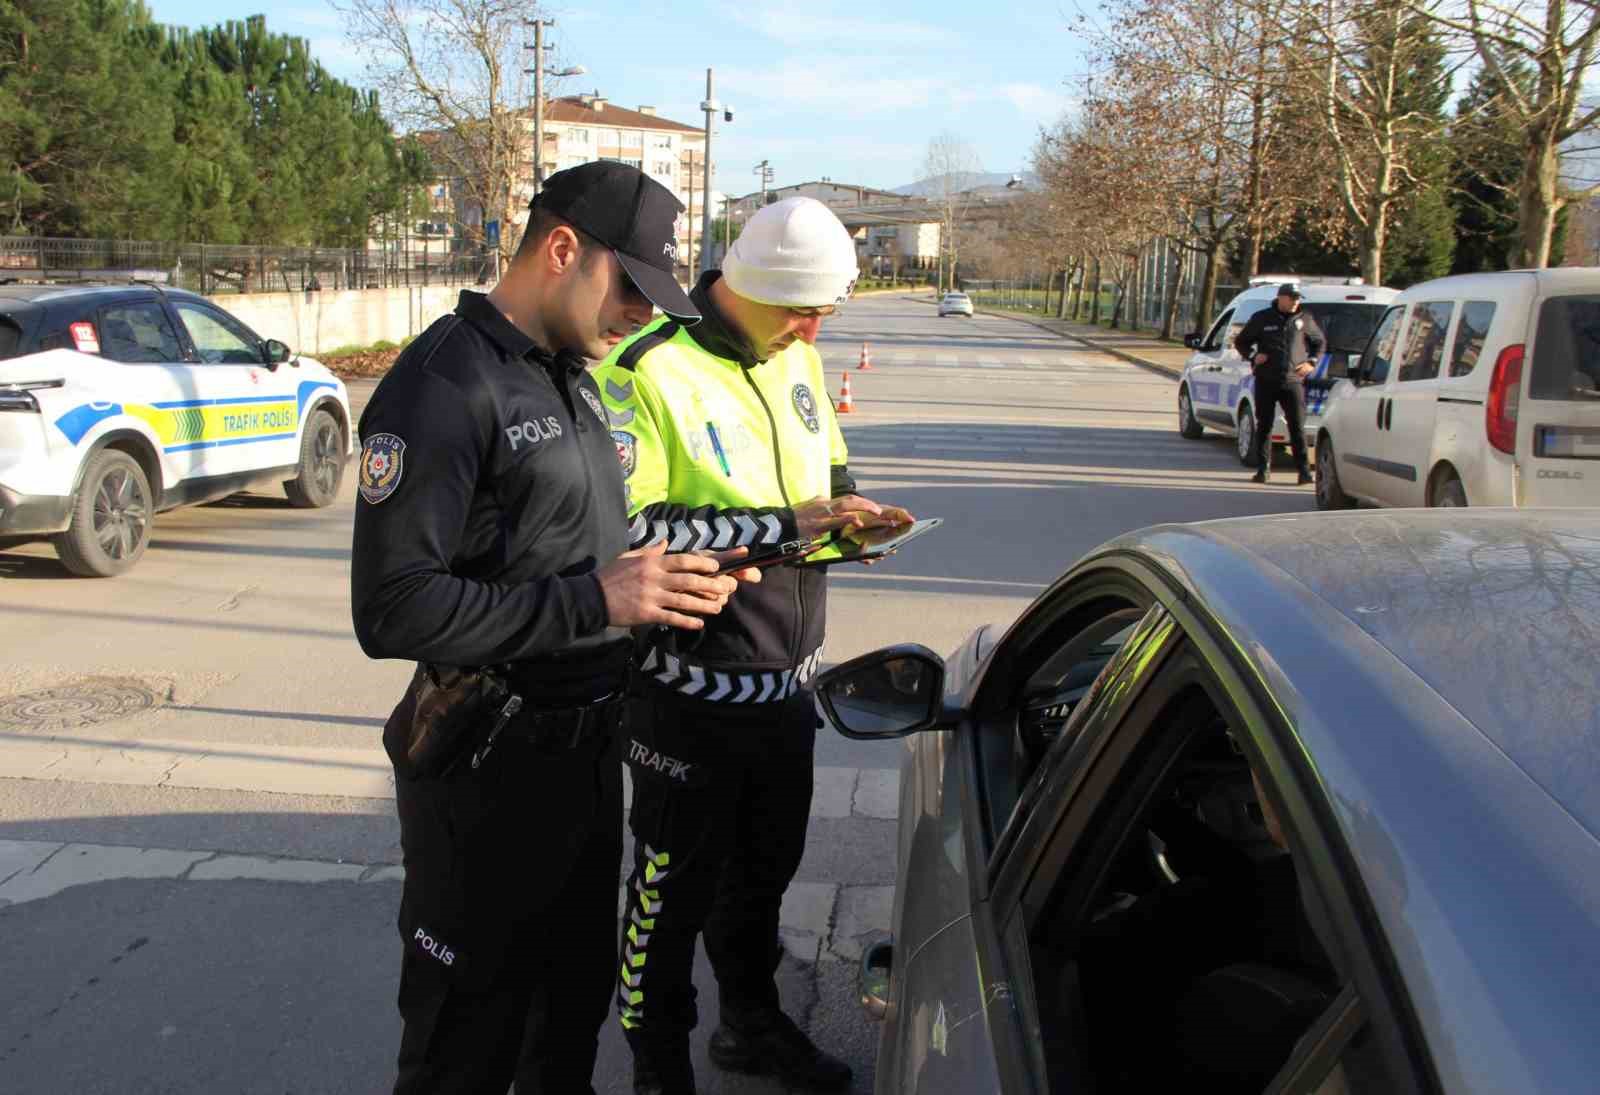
x=218, y=339
x=1214, y=336
x=1244, y=314
x=1347, y=325
x=1565, y=363
x=1172, y=944
x=1430, y=324
x=1380, y=351
x=1054, y=676
x=1476, y=316
x=138, y=333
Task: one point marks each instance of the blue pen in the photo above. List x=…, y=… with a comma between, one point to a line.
x=716, y=447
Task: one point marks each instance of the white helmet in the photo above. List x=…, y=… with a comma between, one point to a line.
x=793, y=253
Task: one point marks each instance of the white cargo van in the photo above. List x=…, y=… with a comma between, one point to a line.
x=1480, y=389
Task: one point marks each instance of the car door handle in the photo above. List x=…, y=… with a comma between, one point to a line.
x=1388, y=417
x=1381, y=402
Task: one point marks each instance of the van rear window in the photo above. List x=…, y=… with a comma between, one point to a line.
x=10, y=337
x=1565, y=363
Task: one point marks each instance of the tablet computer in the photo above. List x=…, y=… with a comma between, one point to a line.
x=774, y=555
x=864, y=545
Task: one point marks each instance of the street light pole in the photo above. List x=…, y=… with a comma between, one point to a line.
x=538, y=99
x=710, y=106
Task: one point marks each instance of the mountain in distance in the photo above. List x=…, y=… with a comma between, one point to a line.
x=978, y=180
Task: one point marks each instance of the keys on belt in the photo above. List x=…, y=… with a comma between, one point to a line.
x=561, y=728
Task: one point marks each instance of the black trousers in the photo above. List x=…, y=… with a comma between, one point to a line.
x=721, y=797
x=508, y=919
x=1273, y=391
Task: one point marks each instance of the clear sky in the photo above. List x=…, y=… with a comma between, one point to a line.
x=852, y=91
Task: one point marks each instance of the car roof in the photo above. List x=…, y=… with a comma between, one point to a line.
x=44, y=294
x=1562, y=279
x=1497, y=611
x=1320, y=293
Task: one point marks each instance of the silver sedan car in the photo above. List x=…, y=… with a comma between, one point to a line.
x=955, y=304
x=1288, y=804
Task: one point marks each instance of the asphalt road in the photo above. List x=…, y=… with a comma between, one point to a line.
x=197, y=848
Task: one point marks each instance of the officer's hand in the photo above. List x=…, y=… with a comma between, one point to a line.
x=723, y=558
x=1305, y=368
x=649, y=586
x=1259, y=359
x=849, y=511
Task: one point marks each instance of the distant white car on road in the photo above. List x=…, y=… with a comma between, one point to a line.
x=955, y=304
x=118, y=402
x=1217, y=390
x=1481, y=389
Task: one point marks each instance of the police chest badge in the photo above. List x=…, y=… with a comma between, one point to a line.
x=627, y=450
x=805, y=405
x=594, y=405
x=382, y=461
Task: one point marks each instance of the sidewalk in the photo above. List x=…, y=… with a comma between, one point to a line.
x=1167, y=358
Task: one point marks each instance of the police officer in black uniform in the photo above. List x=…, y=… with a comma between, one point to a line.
x=491, y=532
x=1282, y=344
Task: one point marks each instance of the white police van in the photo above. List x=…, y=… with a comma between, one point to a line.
x=118, y=402
x=1217, y=390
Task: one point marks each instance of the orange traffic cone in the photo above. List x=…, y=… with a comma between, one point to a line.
x=846, y=405
x=866, y=358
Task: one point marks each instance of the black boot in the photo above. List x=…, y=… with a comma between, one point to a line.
x=770, y=1043
x=1305, y=476
x=661, y=1066
x=1262, y=475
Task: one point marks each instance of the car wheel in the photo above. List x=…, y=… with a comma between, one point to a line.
x=1450, y=493
x=111, y=518
x=321, y=463
x=1330, y=495
x=1188, y=425
x=1247, y=438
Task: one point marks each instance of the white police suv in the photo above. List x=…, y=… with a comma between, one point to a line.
x=118, y=402
x=1217, y=391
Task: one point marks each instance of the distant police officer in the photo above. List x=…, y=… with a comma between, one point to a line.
x=488, y=533
x=727, y=436
x=1282, y=344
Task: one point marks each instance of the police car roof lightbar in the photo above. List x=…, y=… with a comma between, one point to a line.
x=1303, y=279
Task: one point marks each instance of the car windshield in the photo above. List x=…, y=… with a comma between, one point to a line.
x=1346, y=324
x=1566, y=351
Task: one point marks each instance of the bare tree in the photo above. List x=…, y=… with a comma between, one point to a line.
x=950, y=170
x=451, y=72
x=1557, y=40
x=1378, y=95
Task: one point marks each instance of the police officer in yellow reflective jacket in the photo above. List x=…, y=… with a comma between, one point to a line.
x=727, y=438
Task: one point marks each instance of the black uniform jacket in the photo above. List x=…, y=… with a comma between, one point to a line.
x=490, y=492
x=1287, y=340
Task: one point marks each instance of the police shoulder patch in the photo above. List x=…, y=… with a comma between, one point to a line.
x=595, y=406
x=805, y=405
x=382, y=462
x=627, y=450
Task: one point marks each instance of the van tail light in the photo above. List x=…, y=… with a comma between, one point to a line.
x=1505, y=396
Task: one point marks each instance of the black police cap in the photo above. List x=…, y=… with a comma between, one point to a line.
x=632, y=214
x=1289, y=289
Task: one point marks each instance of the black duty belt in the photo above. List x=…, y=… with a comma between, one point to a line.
x=554, y=728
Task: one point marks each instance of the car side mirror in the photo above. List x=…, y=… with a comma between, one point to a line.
x=277, y=352
x=1192, y=340
x=888, y=693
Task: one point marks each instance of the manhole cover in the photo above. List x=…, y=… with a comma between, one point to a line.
x=81, y=703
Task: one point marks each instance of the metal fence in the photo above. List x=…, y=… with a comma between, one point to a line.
x=1144, y=311
x=229, y=268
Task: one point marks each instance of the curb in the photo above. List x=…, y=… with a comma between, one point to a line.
x=1167, y=371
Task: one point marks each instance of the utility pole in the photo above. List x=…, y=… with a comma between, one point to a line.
x=764, y=169
x=689, y=217
x=538, y=98
x=710, y=107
